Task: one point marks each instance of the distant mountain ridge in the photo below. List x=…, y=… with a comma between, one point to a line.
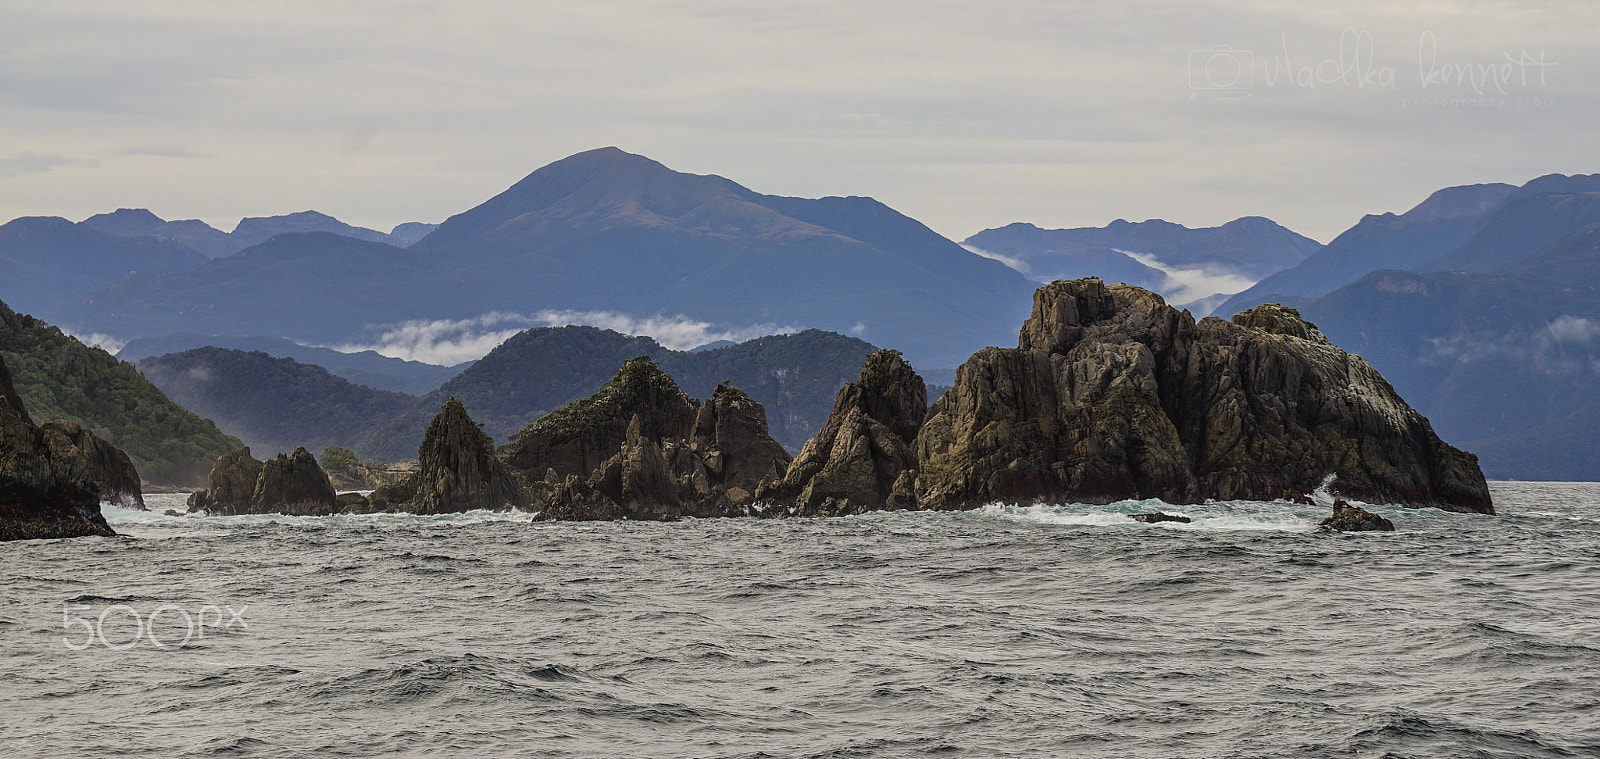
x=48, y=262
x=603, y=230
x=1148, y=253
x=1440, y=233
x=277, y=404
x=362, y=368
x=1505, y=363
x=253, y=230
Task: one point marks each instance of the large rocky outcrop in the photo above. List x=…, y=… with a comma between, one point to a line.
x=676, y=457
x=580, y=436
x=109, y=466
x=48, y=475
x=1112, y=394
x=289, y=484
x=456, y=471
x=864, y=457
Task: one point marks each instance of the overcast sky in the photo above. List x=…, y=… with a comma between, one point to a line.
x=963, y=115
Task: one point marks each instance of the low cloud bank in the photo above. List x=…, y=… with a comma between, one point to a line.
x=447, y=342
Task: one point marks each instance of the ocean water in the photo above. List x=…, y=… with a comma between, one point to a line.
x=1011, y=631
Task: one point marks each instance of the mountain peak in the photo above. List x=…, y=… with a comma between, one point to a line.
x=1465, y=200
x=125, y=221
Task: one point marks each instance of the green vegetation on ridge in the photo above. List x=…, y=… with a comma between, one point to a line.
x=61, y=378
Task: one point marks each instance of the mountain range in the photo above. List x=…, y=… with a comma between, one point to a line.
x=1182, y=264
x=361, y=367
x=251, y=230
x=601, y=231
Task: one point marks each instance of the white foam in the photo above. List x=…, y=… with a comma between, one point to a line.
x=1212, y=516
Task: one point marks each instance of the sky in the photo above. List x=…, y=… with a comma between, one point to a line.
x=964, y=115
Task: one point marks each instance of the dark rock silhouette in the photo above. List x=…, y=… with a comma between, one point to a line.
x=110, y=468
x=48, y=486
x=864, y=456
x=1111, y=394
x=456, y=471
x=294, y=484
x=1347, y=518
x=231, y=484
x=1159, y=517
x=289, y=484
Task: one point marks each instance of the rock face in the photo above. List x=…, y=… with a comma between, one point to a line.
x=48, y=476
x=294, y=484
x=580, y=436
x=1347, y=518
x=456, y=471
x=106, y=464
x=1112, y=394
x=676, y=457
x=231, y=484
x=289, y=484
x=864, y=457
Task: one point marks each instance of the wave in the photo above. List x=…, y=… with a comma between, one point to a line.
x=1214, y=516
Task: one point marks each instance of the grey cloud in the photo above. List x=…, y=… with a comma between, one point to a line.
x=30, y=163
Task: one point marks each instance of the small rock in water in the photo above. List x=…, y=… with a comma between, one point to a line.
x=1158, y=517
x=171, y=513
x=1347, y=518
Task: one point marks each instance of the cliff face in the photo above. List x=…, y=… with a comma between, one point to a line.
x=289, y=484
x=47, y=483
x=110, y=468
x=456, y=471
x=1112, y=394
x=864, y=457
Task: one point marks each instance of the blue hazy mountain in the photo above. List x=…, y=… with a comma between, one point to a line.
x=1251, y=246
x=1181, y=263
x=197, y=235
x=361, y=367
x=253, y=230
x=1472, y=228
x=408, y=233
x=47, y=262
x=1504, y=362
x=602, y=230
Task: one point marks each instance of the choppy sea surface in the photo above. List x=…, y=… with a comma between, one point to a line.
x=1033, y=631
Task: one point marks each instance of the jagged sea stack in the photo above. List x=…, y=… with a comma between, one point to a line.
x=1112, y=394
x=864, y=457
x=291, y=484
x=46, y=489
x=456, y=471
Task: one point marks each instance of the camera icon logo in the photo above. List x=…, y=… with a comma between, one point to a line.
x=1221, y=72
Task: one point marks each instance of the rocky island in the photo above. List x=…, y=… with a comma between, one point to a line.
x=1110, y=395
